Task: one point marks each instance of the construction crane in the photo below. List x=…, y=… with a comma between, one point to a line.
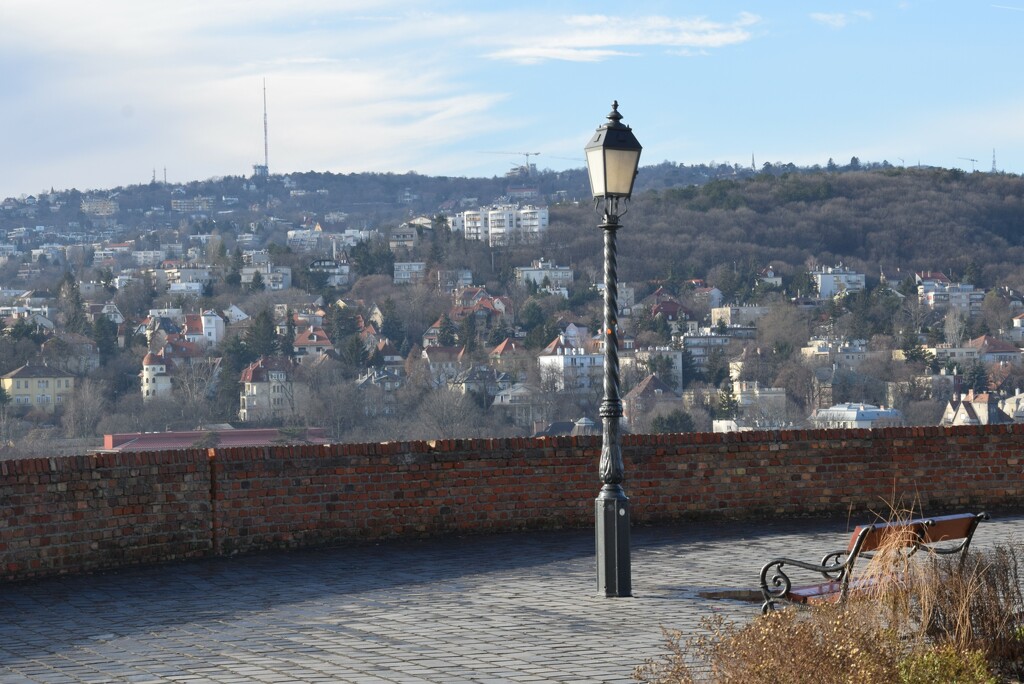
x=525, y=169
x=973, y=162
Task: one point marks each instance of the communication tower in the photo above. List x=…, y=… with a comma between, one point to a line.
x=263, y=170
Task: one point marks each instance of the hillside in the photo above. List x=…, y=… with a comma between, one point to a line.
x=893, y=220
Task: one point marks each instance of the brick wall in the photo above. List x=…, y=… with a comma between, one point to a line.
x=91, y=512
x=77, y=513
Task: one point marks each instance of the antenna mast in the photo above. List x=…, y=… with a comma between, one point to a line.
x=263, y=170
x=266, y=146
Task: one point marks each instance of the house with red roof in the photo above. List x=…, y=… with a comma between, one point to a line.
x=311, y=345
x=267, y=390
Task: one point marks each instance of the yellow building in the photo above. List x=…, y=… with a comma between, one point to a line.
x=37, y=386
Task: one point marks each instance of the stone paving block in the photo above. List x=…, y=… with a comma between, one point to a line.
x=510, y=608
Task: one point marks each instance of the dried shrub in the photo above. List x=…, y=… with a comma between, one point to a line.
x=915, y=619
x=831, y=643
x=945, y=664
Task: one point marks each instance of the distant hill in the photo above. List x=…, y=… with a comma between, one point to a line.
x=894, y=220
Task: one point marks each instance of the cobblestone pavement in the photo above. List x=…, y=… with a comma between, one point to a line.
x=509, y=608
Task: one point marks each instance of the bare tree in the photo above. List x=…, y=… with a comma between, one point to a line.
x=84, y=409
x=955, y=327
x=194, y=384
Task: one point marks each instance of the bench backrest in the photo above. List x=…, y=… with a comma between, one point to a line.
x=915, y=533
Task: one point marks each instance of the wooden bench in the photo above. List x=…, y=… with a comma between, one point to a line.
x=947, y=534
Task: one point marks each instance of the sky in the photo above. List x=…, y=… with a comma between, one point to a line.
x=106, y=93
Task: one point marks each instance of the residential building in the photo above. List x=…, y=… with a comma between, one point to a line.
x=337, y=272
x=974, y=409
x=311, y=345
x=651, y=397
x=443, y=363
x=482, y=381
x=192, y=206
x=852, y=415
x=403, y=237
x=644, y=358
x=502, y=224
x=746, y=315
x=274, y=277
x=837, y=280
x=410, y=272
x=71, y=352
x=769, y=277
x=996, y=351
x=267, y=390
x=99, y=206
x=703, y=346
x=523, y=405
x=567, y=364
x=940, y=295
x=37, y=386
x=206, y=328
x=454, y=280
x=760, y=406
x=846, y=354
x=154, y=378
x=540, y=271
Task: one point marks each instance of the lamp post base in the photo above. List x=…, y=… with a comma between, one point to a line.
x=611, y=515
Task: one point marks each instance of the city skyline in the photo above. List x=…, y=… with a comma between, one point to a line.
x=112, y=93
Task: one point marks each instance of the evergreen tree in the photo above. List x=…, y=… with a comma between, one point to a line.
x=72, y=305
x=676, y=421
x=287, y=340
x=976, y=377
x=104, y=333
x=728, y=405
x=446, y=334
x=257, y=284
x=468, y=333
x=235, y=356
x=353, y=356
x=340, y=323
x=392, y=327
x=261, y=338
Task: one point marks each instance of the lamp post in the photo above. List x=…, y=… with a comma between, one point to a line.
x=613, y=155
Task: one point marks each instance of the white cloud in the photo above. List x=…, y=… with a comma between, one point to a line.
x=598, y=37
x=99, y=93
x=839, y=19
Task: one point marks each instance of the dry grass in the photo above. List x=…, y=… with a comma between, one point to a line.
x=924, y=619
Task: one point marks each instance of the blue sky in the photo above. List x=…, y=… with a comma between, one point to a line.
x=99, y=94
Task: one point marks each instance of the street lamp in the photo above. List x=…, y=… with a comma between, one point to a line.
x=613, y=155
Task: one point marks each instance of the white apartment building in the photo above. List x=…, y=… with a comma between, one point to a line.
x=738, y=315
x=833, y=280
x=539, y=270
x=943, y=296
x=502, y=224
x=570, y=368
x=853, y=415
x=274, y=277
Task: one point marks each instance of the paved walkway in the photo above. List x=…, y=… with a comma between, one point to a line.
x=510, y=608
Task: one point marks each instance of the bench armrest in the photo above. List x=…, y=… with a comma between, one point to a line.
x=775, y=582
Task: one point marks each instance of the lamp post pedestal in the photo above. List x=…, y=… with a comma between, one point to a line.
x=611, y=515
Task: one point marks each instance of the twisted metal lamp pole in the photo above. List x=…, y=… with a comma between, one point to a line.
x=613, y=155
